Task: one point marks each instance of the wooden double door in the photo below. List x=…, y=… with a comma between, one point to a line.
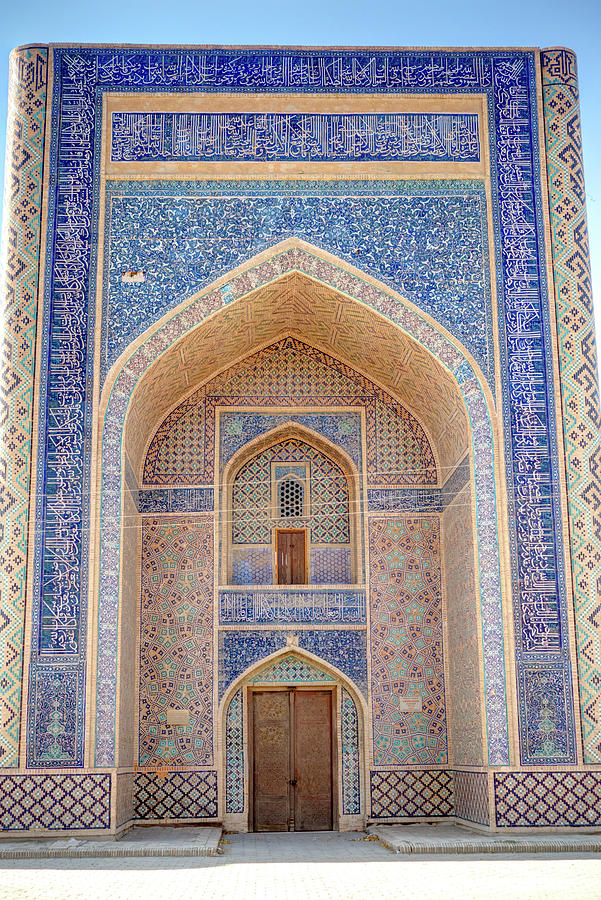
x=292, y=760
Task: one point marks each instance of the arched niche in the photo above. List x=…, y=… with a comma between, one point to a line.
x=298, y=290
x=294, y=666
x=311, y=447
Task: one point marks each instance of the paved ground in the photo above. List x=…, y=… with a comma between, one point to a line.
x=325, y=866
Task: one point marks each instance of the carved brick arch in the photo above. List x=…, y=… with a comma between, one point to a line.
x=291, y=431
x=292, y=665
x=295, y=288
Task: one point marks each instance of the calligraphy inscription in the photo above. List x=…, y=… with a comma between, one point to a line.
x=179, y=137
x=327, y=606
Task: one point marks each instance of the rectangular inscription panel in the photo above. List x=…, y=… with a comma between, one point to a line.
x=420, y=137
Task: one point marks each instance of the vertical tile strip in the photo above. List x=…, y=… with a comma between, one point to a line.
x=578, y=367
x=20, y=262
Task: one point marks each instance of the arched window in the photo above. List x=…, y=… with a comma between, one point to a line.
x=291, y=498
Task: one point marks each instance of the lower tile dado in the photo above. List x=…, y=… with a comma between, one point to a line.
x=411, y=793
x=547, y=799
x=175, y=795
x=59, y=802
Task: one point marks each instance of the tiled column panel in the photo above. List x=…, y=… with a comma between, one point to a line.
x=20, y=249
x=578, y=366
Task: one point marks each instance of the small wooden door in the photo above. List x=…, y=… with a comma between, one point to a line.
x=290, y=553
x=292, y=760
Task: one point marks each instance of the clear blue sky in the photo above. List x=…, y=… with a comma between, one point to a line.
x=471, y=23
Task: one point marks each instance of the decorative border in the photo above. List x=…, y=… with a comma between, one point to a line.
x=578, y=365
x=20, y=263
x=234, y=754
x=351, y=768
x=262, y=606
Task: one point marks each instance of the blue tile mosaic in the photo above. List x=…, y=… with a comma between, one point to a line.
x=420, y=137
x=428, y=240
x=56, y=802
x=331, y=565
x=347, y=650
x=176, y=795
x=252, y=565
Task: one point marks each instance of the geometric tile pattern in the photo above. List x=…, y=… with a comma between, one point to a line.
x=351, y=777
x=176, y=641
x=251, y=565
x=252, y=502
x=462, y=650
x=330, y=565
x=406, y=641
x=537, y=799
x=471, y=796
x=21, y=245
x=234, y=755
x=411, y=793
x=55, y=801
x=291, y=669
x=175, y=795
x=578, y=367
x=289, y=373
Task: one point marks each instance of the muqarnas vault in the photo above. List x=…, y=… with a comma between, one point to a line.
x=300, y=441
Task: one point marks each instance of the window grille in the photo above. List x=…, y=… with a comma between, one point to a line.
x=291, y=498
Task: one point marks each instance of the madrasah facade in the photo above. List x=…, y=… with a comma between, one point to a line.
x=300, y=442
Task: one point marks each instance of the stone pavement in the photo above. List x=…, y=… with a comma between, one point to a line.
x=319, y=866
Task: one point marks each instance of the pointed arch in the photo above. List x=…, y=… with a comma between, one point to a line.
x=352, y=305
x=256, y=446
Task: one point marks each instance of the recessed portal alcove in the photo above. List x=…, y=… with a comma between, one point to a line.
x=297, y=374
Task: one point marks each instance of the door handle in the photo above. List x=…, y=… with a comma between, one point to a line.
x=292, y=782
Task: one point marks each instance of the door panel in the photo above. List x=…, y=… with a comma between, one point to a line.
x=271, y=759
x=292, y=760
x=291, y=562
x=313, y=760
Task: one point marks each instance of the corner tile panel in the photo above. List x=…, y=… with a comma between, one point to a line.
x=471, y=796
x=406, y=643
x=176, y=639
